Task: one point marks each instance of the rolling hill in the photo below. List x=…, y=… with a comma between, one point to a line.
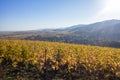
x=104, y=33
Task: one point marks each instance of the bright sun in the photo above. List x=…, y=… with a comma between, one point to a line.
x=111, y=10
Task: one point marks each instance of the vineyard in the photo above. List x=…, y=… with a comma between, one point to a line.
x=39, y=60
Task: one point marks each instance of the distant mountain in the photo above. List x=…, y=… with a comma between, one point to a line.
x=107, y=30
x=105, y=33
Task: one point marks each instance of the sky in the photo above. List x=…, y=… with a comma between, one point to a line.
x=18, y=15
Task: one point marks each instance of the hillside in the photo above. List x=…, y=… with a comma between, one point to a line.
x=39, y=60
x=104, y=33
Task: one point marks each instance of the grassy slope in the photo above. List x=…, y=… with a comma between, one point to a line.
x=48, y=60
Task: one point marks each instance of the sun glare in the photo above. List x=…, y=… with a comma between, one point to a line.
x=112, y=5
x=111, y=9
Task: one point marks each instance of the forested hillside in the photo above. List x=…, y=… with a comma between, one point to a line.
x=104, y=33
x=39, y=60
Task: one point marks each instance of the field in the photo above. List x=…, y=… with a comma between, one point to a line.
x=39, y=60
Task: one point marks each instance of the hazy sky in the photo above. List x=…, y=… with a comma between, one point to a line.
x=39, y=14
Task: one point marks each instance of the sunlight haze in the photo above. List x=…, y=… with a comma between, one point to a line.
x=111, y=10
x=17, y=15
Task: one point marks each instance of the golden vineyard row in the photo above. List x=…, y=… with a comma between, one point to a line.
x=68, y=61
